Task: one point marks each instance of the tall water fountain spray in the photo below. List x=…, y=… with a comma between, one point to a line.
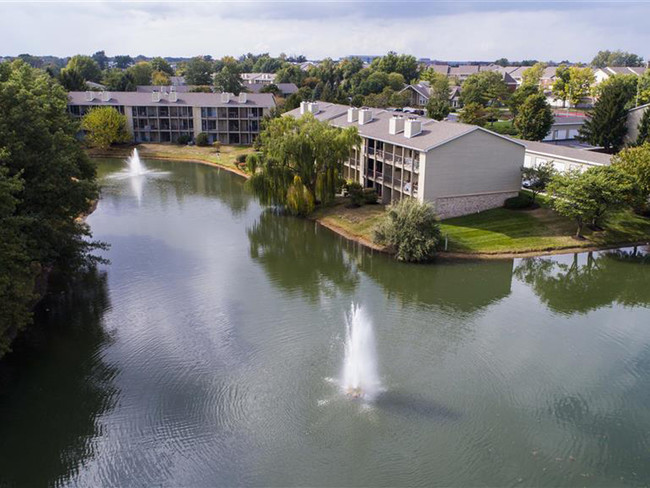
x=135, y=165
x=360, y=377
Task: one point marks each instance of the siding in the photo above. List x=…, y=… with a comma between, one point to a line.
x=475, y=163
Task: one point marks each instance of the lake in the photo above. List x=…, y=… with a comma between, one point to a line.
x=207, y=353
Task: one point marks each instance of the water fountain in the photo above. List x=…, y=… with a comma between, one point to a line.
x=360, y=377
x=136, y=168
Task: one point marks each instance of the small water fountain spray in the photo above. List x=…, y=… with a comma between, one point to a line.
x=136, y=168
x=360, y=376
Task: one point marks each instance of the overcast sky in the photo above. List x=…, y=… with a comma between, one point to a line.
x=450, y=30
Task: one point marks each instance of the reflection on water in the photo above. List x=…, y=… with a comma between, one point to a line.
x=209, y=365
x=56, y=385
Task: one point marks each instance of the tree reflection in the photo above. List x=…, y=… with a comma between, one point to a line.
x=589, y=281
x=457, y=286
x=298, y=256
x=55, y=386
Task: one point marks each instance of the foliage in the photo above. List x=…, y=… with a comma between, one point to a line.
x=635, y=161
x=404, y=64
x=644, y=129
x=123, y=61
x=229, y=79
x=161, y=64
x=473, y=113
x=538, y=177
x=160, y=78
x=588, y=197
x=355, y=193
x=202, y=139
x=304, y=147
x=486, y=88
x=572, y=84
x=533, y=75
x=118, y=80
x=643, y=88
x=101, y=59
x=105, y=126
x=72, y=80
x=438, y=84
x=535, y=118
x=300, y=201
x=520, y=95
x=86, y=66
x=626, y=83
x=141, y=73
x=437, y=109
x=411, y=229
x=198, y=71
x=183, y=139
x=370, y=196
x=606, y=125
x=46, y=182
x=616, y=58
x=519, y=202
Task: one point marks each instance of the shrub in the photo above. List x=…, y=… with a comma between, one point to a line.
x=355, y=192
x=518, y=202
x=370, y=196
x=411, y=229
x=217, y=146
x=241, y=158
x=183, y=139
x=202, y=139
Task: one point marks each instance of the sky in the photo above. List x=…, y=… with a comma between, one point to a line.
x=447, y=30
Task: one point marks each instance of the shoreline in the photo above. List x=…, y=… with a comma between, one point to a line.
x=443, y=255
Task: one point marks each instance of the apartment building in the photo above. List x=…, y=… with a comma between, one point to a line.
x=461, y=168
x=563, y=158
x=163, y=116
x=263, y=78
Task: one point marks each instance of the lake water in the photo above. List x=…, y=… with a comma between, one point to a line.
x=205, y=354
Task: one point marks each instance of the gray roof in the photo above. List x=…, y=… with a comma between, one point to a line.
x=568, y=120
x=187, y=99
x=177, y=80
x=434, y=133
x=153, y=88
x=564, y=152
x=285, y=88
x=464, y=69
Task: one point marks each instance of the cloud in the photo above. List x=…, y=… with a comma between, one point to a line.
x=439, y=30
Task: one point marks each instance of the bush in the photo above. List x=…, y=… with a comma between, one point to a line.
x=202, y=139
x=370, y=196
x=518, y=202
x=241, y=158
x=355, y=192
x=411, y=229
x=183, y=139
x=217, y=146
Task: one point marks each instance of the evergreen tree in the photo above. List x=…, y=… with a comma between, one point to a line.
x=606, y=125
x=535, y=118
x=644, y=128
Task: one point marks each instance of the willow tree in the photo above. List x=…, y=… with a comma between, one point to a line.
x=301, y=158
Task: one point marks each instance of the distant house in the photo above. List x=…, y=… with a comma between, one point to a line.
x=421, y=93
x=602, y=74
x=285, y=88
x=461, y=168
x=261, y=78
x=91, y=85
x=177, y=80
x=564, y=128
x=162, y=88
x=563, y=158
x=633, y=120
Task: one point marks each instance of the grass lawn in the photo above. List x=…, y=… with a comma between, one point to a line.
x=225, y=157
x=357, y=222
x=503, y=230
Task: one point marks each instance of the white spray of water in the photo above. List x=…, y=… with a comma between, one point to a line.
x=136, y=168
x=360, y=377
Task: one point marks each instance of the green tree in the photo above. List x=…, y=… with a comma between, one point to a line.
x=141, y=73
x=72, y=80
x=410, y=228
x=616, y=58
x=229, y=78
x=589, y=197
x=305, y=148
x=101, y=59
x=580, y=81
x=290, y=74
x=86, y=66
x=404, y=64
x=123, y=61
x=538, y=177
x=520, y=95
x=161, y=64
x=160, y=78
x=486, y=88
x=396, y=81
x=437, y=109
x=606, y=125
x=105, y=126
x=502, y=62
x=644, y=129
x=474, y=113
x=635, y=161
x=560, y=86
x=533, y=75
x=438, y=85
x=47, y=183
x=643, y=89
x=198, y=71
x=628, y=85
x=118, y=80
x=535, y=118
